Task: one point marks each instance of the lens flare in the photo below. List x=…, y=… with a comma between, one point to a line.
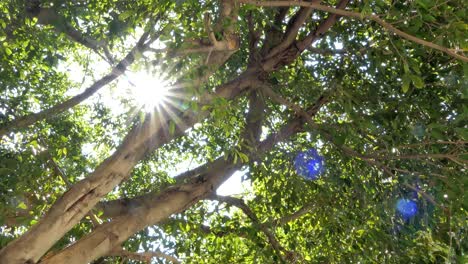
x=407, y=208
x=149, y=91
x=309, y=164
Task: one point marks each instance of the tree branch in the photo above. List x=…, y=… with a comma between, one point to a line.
x=141, y=140
x=119, y=69
x=274, y=32
x=59, y=171
x=143, y=256
x=153, y=208
x=119, y=207
x=50, y=17
x=295, y=23
x=253, y=217
x=387, y=26
x=372, y=161
x=296, y=215
x=323, y=28
x=289, y=54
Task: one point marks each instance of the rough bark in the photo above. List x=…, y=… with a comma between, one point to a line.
x=293, y=28
x=298, y=46
x=142, y=139
x=387, y=26
x=110, y=235
x=83, y=196
x=152, y=209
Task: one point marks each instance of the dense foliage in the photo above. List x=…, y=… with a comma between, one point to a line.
x=349, y=127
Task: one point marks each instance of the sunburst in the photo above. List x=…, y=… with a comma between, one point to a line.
x=149, y=91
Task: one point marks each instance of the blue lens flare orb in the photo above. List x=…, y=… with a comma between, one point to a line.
x=407, y=208
x=309, y=164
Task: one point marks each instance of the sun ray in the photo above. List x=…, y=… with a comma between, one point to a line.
x=149, y=91
x=178, y=122
x=154, y=94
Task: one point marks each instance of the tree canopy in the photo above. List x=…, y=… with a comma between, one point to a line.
x=119, y=121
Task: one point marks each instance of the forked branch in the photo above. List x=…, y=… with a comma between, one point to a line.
x=387, y=26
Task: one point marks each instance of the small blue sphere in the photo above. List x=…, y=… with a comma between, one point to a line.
x=309, y=164
x=407, y=208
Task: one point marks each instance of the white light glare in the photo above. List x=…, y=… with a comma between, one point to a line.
x=148, y=90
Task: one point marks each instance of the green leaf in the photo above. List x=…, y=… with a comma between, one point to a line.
x=243, y=157
x=424, y=3
x=194, y=106
x=417, y=81
x=22, y=205
x=171, y=127
x=126, y=14
x=406, y=83
x=406, y=67
x=437, y=134
x=462, y=132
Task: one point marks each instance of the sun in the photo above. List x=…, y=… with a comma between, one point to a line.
x=149, y=91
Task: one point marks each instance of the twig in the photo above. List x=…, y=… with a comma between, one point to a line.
x=118, y=70
x=239, y=203
x=360, y=16
x=58, y=170
x=347, y=150
x=143, y=256
x=296, y=215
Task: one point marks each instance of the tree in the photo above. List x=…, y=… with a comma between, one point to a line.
x=347, y=118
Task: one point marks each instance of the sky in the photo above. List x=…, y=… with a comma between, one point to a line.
x=143, y=85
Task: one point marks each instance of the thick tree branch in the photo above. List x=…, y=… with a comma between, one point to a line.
x=220, y=49
x=119, y=69
x=154, y=208
x=274, y=33
x=84, y=195
x=387, y=26
x=59, y=171
x=294, y=25
x=323, y=28
x=254, y=38
x=121, y=206
x=50, y=17
x=297, y=47
x=141, y=140
x=254, y=118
